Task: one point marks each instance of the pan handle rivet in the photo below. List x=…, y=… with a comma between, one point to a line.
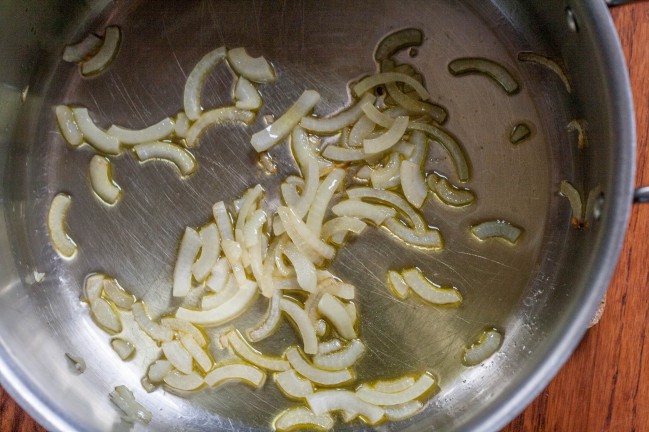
x=571, y=20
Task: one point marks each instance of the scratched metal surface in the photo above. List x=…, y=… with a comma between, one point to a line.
x=319, y=45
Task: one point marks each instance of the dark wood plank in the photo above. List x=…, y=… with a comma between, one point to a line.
x=605, y=385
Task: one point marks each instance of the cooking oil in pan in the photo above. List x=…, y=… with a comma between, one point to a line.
x=136, y=240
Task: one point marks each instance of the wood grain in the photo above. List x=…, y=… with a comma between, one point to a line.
x=605, y=384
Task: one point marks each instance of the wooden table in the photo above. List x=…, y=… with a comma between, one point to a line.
x=605, y=384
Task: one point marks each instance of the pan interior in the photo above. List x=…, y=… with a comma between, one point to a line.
x=313, y=45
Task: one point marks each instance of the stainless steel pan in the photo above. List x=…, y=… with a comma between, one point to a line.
x=542, y=293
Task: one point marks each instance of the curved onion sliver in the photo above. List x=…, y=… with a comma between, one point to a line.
x=61, y=241
x=298, y=315
x=158, y=131
x=334, y=310
x=316, y=375
x=413, y=183
x=101, y=180
x=185, y=382
x=241, y=372
x=246, y=95
x=344, y=358
x=393, y=386
x=256, y=69
x=386, y=77
x=338, y=121
x=497, y=229
x=483, y=348
x=280, y=128
x=249, y=354
x=105, y=316
x=196, y=79
x=153, y=329
x=95, y=136
x=210, y=251
x=398, y=40
x=428, y=291
x=398, y=285
x=226, y=312
x=178, y=356
x=362, y=210
x=67, y=125
x=106, y=54
x=270, y=323
x=184, y=327
x=490, y=68
x=388, y=139
x=326, y=401
x=118, y=295
x=197, y=352
x=179, y=156
x=301, y=418
x=423, y=384
x=190, y=244
x=216, y=117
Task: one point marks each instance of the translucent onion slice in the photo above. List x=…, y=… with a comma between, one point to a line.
x=118, y=295
x=423, y=384
x=251, y=355
x=398, y=40
x=343, y=154
x=337, y=288
x=246, y=95
x=326, y=401
x=83, y=49
x=178, y=356
x=342, y=359
x=413, y=183
x=329, y=346
x=322, y=199
x=76, y=362
x=419, y=143
x=101, y=180
x=428, y=291
x=339, y=121
x=197, y=352
x=190, y=244
x=334, y=311
x=483, y=348
x=377, y=116
x=123, y=348
x=185, y=382
x=184, y=328
x=386, y=77
x=305, y=240
x=147, y=385
x=95, y=136
x=336, y=229
x=153, y=329
x=290, y=194
x=413, y=106
x=196, y=79
x=211, y=301
x=403, y=411
x=388, y=139
x=247, y=208
x=300, y=418
x=106, y=54
x=255, y=69
x=67, y=125
x=363, y=174
x=173, y=153
x=158, y=370
x=549, y=64
x=450, y=194
x=580, y=127
x=93, y=286
x=497, y=229
x=321, y=328
x=61, y=241
x=393, y=386
x=389, y=175
x=210, y=251
x=282, y=127
x=428, y=238
x=519, y=133
x=267, y=163
x=270, y=322
x=131, y=410
x=316, y=375
x=391, y=198
x=304, y=268
x=304, y=325
x=216, y=117
x=253, y=228
x=361, y=130
x=158, y=131
x=398, y=285
x=223, y=221
x=226, y=312
x=495, y=71
x=449, y=143
x=362, y=210
x=105, y=316
x=236, y=372
x=181, y=125
x=219, y=275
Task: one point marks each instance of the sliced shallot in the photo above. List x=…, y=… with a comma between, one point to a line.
x=197, y=352
x=334, y=311
x=249, y=354
x=210, y=251
x=316, y=375
x=96, y=137
x=158, y=131
x=118, y=295
x=413, y=183
x=190, y=244
x=173, y=153
x=301, y=418
x=178, y=356
x=101, y=179
x=182, y=381
x=61, y=241
x=123, y=348
x=326, y=401
x=428, y=291
x=292, y=385
x=106, y=53
x=362, y=210
x=300, y=318
x=255, y=69
x=344, y=358
x=497, y=229
x=246, y=95
x=398, y=285
x=216, y=117
x=483, y=348
x=153, y=329
x=241, y=372
x=338, y=121
x=386, y=77
x=105, y=316
x=495, y=71
x=196, y=79
x=68, y=125
x=422, y=385
x=388, y=139
x=226, y=312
